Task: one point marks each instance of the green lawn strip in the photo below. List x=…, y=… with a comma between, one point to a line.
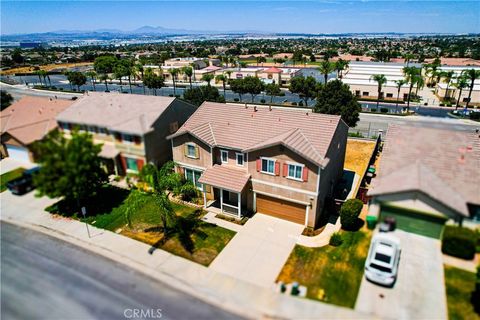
x=108, y=212
x=331, y=274
x=9, y=176
x=459, y=285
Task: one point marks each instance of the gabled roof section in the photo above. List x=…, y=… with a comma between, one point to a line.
x=237, y=127
x=224, y=177
x=273, y=70
x=129, y=113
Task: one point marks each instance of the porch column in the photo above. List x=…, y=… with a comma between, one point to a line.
x=204, y=197
x=239, y=205
x=254, y=201
x=221, y=200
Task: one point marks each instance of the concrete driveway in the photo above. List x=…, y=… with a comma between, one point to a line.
x=9, y=164
x=419, y=292
x=257, y=253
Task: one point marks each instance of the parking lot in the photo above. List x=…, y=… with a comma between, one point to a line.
x=419, y=292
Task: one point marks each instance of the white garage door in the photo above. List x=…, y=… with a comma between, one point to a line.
x=18, y=153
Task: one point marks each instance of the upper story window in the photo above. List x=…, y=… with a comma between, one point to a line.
x=224, y=156
x=128, y=138
x=92, y=129
x=102, y=131
x=295, y=171
x=268, y=166
x=240, y=159
x=65, y=126
x=191, y=150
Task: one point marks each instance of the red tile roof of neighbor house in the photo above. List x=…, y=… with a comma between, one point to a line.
x=129, y=113
x=443, y=164
x=273, y=70
x=247, y=129
x=226, y=178
x=31, y=118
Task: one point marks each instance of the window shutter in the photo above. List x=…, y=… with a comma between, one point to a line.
x=140, y=164
x=137, y=139
x=185, y=149
x=259, y=165
x=277, y=168
x=118, y=137
x=124, y=163
x=285, y=170
x=305, y=174
x=181, y=171
x=197, y=152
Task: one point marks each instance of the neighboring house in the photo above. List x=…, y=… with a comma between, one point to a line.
x=278, y=161
x=426, y=177
x=132, y=128
x=28, y=120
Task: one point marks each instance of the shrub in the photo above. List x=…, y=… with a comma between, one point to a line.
x=374, y=109
x=459, y=242
x=262, y=101
x=188, y=192
x=336, y=239
x=300, y=103
x=236, y=99
x=349, y=213
x=294, y=103
x=475, y=115
x=383, y=110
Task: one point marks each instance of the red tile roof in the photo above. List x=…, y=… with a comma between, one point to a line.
x=273, y=70
x=236, y=127
x=225, y=177
x=31, y=118
x=444, y=164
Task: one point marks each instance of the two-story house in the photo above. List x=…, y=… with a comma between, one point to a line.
x=131, y=128
x=282, y=162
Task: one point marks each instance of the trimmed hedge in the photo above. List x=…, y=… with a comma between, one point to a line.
x=459, y=242
x=349, y=213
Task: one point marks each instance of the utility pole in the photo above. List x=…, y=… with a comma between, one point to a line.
x=84, y=213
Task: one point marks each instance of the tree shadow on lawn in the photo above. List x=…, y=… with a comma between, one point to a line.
x=107, y=198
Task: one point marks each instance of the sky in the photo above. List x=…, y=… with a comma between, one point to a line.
x=327, y=16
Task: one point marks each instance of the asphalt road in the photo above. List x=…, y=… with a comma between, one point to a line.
x=45, y=278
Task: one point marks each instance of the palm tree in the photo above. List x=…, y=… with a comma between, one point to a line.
x=380, y=79
x=208, y=77
x=229, y=74
x=340, y=65
x=447, y=78
x=39, y=74
x=140, y=69
x=408, y=57
x=460, y=84
x=223, y=79
x=188, y=71
x=411, y=77
x=92, y=75
x=472, y=75
x=400, y=83
x=325, y=68
x=174, y=73
x=419, y=83
x=104, y=77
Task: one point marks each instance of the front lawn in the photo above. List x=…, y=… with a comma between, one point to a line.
x=9, y=176
x=201, y=243
x=459, y=285
x=331, y=274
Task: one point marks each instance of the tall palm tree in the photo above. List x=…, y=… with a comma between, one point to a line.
x=208, y=77
x=223, y=79
x=400, y=83
x=460, y=84
x=104, y=77
x=408, y=57
x=92, y=75
x=419, y=83
x=471, y=75
x=412, y=74
x=139, y=67
x=188, y=71
x=39, y=74
x=380, y=79
x=174, y=73
x=340, y=65
x=447, y=78
x=325, y=68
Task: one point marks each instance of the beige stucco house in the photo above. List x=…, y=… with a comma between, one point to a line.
x=278, y=161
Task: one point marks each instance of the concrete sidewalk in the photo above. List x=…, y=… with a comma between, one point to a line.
x=221, y=290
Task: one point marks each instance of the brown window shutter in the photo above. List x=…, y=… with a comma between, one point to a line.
x=277, y=168
x=197, y=152
x=259, y=165
x=285, y=170
x=305, y=174
x=137, y=139
x=185, y=149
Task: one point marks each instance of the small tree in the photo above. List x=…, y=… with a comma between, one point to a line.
x=70, y=168
x=77, y=79
x=272, y=90
x=208, y=77
x=336, y=98
x=349, y=213
x=237, y=86
x=198, y=95
x=253, y=86
x=305, y=87
x=6, y=99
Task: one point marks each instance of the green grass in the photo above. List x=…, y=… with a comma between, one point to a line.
x=331, y=274
x=9, y=176
x=459, y=285
x=107, y=211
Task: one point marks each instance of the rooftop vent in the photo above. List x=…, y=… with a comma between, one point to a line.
x=255, y=108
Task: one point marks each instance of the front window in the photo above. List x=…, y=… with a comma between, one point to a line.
x=64, y=126
x=191, y=151
x=295, y=171
x=240, y=159
x=102, y=131
x=132, y=164
x=92, y=129
x=193, y=176
x=224, y=155
x=268, y=166
x=128, y=138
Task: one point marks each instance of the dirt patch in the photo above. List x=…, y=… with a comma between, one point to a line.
x=47, y=67
x=358, y=155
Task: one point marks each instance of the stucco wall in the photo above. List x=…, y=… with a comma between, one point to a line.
x=204, y=160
